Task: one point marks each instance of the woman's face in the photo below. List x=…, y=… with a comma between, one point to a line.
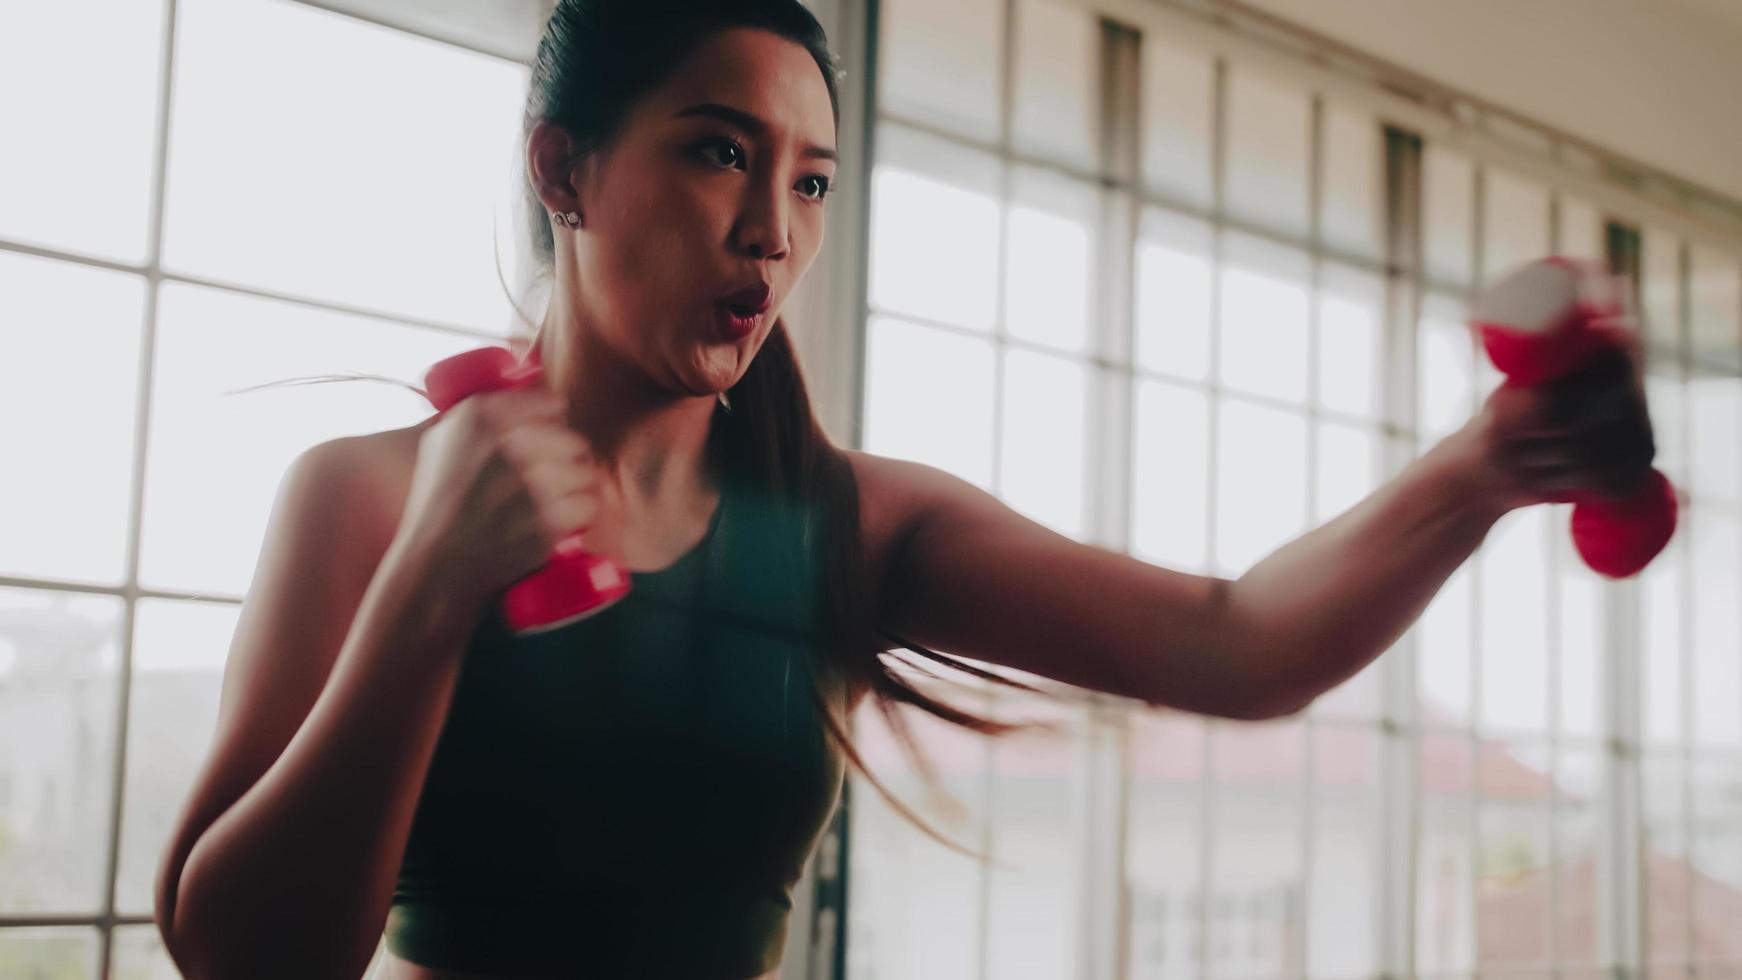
x=713, y=188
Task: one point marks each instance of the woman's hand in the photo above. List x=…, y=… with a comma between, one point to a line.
x=1587, y=432
x=500, y=480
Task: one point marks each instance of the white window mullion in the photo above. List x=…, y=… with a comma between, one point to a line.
x=1621, y=826
x=1399, y=787
x=1207, y=815
x=1102, y=936
x=1000, y=331
x=1308, y=799
x=136, y=493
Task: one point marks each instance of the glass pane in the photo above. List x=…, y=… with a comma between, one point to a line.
x=1515, y=623
x=1350, y=310
x=1715, y=437
x=1256, y=850
x=1178, y=92
x=1056, y=114
x=1582, y=234
x=1263, y=336
x=1448, y=205
x=179, y=651
x=1046, y=287
x=1353, y=158
x=1342, y=904
x=1164, y=844
x=48, y=954
x=1443, y=674
x=1716, y=856
x=1268, y=152
x=1515, y=223
x=1260, y=483
x=1582, y=629
x=934, y=231
x=1174, y=281
x=63, y=514
x=138, y=954
x=1445, y=369
x=1716, y=542
x=79, y=144
x=1667, y=881
x=1267, y=754
x=1445, y=901
x=915, y=905
x=204, y=526
x=397, y=147
x=1664, y=610
x=1513, y=887
x=941, y=62
x=1348, y=469
x=60, y=655
x=929, y=398
x=1031, y=901
x=1715, y=307
x=1170, y=477
x=1579, y=778
x=1667, y=400
x=1660, y=286
x=1355, y=699
x=1043, y=459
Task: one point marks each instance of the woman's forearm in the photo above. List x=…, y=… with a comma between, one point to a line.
x=1318, y=609
x=294, y=879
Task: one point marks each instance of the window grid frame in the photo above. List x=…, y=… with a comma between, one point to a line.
x=1397, y=723
x=153, y=275
x=1126, y=371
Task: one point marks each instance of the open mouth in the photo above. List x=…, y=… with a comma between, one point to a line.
x=738, y=313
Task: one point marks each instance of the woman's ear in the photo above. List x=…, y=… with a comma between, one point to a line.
x=551, y=167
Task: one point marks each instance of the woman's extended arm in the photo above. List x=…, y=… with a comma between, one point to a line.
x=974, y=578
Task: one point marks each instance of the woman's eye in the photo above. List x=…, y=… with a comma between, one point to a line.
x=818, y=187
x=725, y=153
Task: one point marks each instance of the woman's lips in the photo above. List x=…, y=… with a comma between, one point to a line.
x=735, y=323
x=737, y=314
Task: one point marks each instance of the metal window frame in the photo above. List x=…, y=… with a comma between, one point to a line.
x=130, y=592
x=1407, y=281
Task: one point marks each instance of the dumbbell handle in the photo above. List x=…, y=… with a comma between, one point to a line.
x=573, y=584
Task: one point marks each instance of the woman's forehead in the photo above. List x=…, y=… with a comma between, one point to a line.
x=759, y=73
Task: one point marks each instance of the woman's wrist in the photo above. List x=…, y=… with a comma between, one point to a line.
x=1467, y=459
x=435, y=586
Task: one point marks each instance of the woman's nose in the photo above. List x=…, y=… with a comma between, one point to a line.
x=762, y=228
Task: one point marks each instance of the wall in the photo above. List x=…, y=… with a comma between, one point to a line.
x=1654, y=81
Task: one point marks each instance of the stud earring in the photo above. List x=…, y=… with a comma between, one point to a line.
x=568, y=219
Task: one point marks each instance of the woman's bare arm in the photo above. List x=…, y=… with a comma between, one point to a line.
x=339, y=678
x=973, y=577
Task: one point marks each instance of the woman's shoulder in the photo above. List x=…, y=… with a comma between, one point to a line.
x=892, y=496
x=375, y=465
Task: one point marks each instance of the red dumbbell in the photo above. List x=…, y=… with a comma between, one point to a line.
x=574, y=584
x=1543, y=322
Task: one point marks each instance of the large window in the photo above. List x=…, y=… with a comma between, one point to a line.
x=1186, y=304
x=199, y=196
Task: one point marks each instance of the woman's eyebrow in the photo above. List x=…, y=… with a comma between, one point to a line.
x=747, y=122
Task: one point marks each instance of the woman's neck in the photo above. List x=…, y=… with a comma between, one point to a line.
x=653, y=441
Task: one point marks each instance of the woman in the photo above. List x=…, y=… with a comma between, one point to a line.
x=635, y=794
